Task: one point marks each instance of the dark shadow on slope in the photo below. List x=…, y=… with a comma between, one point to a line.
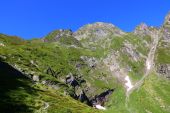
x=12, y=85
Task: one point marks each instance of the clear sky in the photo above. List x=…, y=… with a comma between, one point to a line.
x=35, y=18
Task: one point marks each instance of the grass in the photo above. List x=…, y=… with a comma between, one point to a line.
x=36, y=57
x=117, y=43
x=116, y=103
x=152, y=96
x=19, y=94
x=163, y=56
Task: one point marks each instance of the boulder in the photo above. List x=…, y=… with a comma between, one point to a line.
x=35, y=78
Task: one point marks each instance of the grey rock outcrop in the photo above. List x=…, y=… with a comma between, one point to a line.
x=131, y=50
x=90, y=61
x=164, y=70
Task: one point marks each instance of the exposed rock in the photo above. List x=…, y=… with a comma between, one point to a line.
x=52, y=84
x=142, y=30
x=130, y=49
x=96, y=31
x=102, y=98
x=83, y=98
x=78, y=66
x=91, y=62
x=1, y=44
x=46, y=105
x=35, y=78
x=71, y=80
x=164, y=70
x=43, y=82
x=3, y=57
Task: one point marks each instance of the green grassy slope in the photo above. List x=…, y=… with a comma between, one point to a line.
x=35, y=57
x=153, y=96
x=20, y=95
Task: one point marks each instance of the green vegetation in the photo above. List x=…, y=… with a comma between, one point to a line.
x=51, y=36
x=163, y=55
x=152, y=96
x=69, y=41
x=34, y=57
x=20, y=95
x=116, y=103
x=11, y=40
x=117, y=43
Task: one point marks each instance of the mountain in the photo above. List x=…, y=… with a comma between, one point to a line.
x=98, y=68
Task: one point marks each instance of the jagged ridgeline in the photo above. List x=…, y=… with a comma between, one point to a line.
x=98, y=68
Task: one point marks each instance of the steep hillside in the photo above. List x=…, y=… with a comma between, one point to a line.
x=97, y=67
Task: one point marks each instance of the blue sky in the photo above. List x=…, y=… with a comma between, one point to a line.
x=35, y=18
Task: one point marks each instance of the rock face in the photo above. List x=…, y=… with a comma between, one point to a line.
x=96, y=31
x=101, y=98
x=70, y=79
x=83, y=97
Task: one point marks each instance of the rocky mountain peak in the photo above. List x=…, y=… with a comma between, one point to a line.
x=101, y=25
x=142, y=29
x=97, y=30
